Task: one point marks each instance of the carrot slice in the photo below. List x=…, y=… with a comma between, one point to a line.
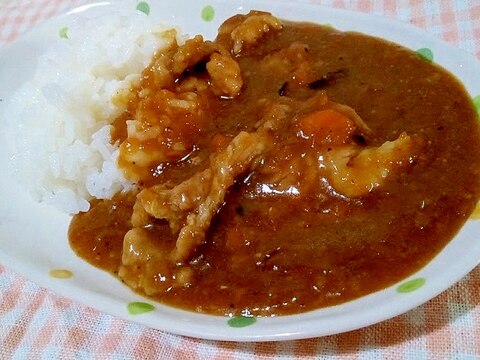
x=327, y=127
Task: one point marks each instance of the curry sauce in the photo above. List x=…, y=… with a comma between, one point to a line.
x=288, y=236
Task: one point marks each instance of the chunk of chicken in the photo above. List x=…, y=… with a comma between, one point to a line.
x=194, y=202
x=154, y=137
x=237, y=158
x=144, y=266
x=172, y=204
x=225, y=74
x=286, y=172
x=224, y=71
x=191, y=53
x=355, y=171
x=252, y=29
x=159, y=72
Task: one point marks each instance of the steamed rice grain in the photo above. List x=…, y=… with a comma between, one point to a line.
x=60, y=119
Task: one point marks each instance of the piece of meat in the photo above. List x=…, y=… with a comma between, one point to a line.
x=287, y=172
x=191, y=53
x=238, y=158
x=140, y=253
x=190, y=206
x=225, y=74
x=172, y=204
x=159, y=71
x=354, y=171
x=144, y=266
x=154, y=137
x=252, y=29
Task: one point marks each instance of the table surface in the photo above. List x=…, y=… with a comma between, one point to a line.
x=36, y=323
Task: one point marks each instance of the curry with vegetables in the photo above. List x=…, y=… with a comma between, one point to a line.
x=281, y=168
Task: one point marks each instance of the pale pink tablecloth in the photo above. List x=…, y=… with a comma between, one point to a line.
x=36, y=323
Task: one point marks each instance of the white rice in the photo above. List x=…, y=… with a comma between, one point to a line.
x=60, y=118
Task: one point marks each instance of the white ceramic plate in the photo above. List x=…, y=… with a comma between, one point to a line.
x=33, y=236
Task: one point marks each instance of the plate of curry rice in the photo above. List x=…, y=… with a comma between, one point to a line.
x=245, y=171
